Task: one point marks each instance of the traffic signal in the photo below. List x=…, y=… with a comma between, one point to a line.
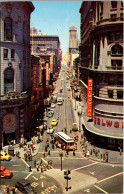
x=67, y=172
x=67, y=177
x=67, y=188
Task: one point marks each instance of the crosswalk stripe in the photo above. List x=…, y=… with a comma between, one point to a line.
x=101, y=189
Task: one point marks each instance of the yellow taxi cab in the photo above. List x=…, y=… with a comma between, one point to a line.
x=54, y=122
x=4, y=156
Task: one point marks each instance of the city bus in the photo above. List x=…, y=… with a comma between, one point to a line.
x=59, y=101
x=64, y=141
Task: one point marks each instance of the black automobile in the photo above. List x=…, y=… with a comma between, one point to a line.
x=25, y=187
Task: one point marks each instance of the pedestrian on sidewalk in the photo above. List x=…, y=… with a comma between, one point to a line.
x=41, y=168
x=25, y=156
x=46, y=139
x=47, y=144
x=37, y=167
x=41, y=161
x=88, y=154
x=52, y=146
x=46, y=148
x=30, y=157
x=73, y=152
x=32, y=149
x=44, y=154
x=106, y=156
x=65, y=154
x=120, y=151
x=7, y=189
x=34, y=163
x=67, y=151
x=13, y=189
x=49, y=152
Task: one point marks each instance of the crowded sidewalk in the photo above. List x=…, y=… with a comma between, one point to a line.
x=90, y=151
x=24, y=150
x=31, y=148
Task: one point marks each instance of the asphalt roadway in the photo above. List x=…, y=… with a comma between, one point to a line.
x=52, y=181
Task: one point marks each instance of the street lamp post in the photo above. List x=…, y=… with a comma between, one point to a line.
x=61, y=155
x=79, y=114
x=66, y=173
x=75, y=103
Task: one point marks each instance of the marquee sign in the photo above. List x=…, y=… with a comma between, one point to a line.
x=89, y=98
x=34, y=76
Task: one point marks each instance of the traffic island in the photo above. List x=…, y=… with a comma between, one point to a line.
x=78, y=182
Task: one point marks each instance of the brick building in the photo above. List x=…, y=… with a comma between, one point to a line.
x=42, y=44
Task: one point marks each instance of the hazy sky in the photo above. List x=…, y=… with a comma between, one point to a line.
x=55, y=18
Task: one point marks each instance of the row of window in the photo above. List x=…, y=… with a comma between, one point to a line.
x=114, y=4
x=119, y=94
x=8, y=30
x=114, y=16
x=116, y=51
x=115, y=36
x=9, y=80
x=12, y=54
x=5, y=53
x=111, y=94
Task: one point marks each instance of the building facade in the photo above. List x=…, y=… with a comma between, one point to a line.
x=73, y=42
x=42, y=44
x=101, y=62
x=15, y=71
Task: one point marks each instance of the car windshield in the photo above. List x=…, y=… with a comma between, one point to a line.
x=5, y=154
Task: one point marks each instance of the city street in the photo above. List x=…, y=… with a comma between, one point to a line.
x=93, y=176
x=61, y=97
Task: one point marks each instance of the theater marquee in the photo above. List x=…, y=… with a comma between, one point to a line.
x=89, y=98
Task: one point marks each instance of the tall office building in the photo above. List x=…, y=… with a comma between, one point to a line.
x=73, y=42
x=15, y=117
x=101, y=71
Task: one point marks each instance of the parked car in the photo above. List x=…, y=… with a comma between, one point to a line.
x=52, y=111
x=49, y=114
x=5, y=173
x=74, y=127
x=4, y=156
x=50, y=130
x=53, y=105
x=25, y=187
x=54, y=122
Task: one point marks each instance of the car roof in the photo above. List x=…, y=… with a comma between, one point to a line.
x=2, y=152
x=74, y=124
x=23, y=182
x=54, y=120
x=50, y=112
